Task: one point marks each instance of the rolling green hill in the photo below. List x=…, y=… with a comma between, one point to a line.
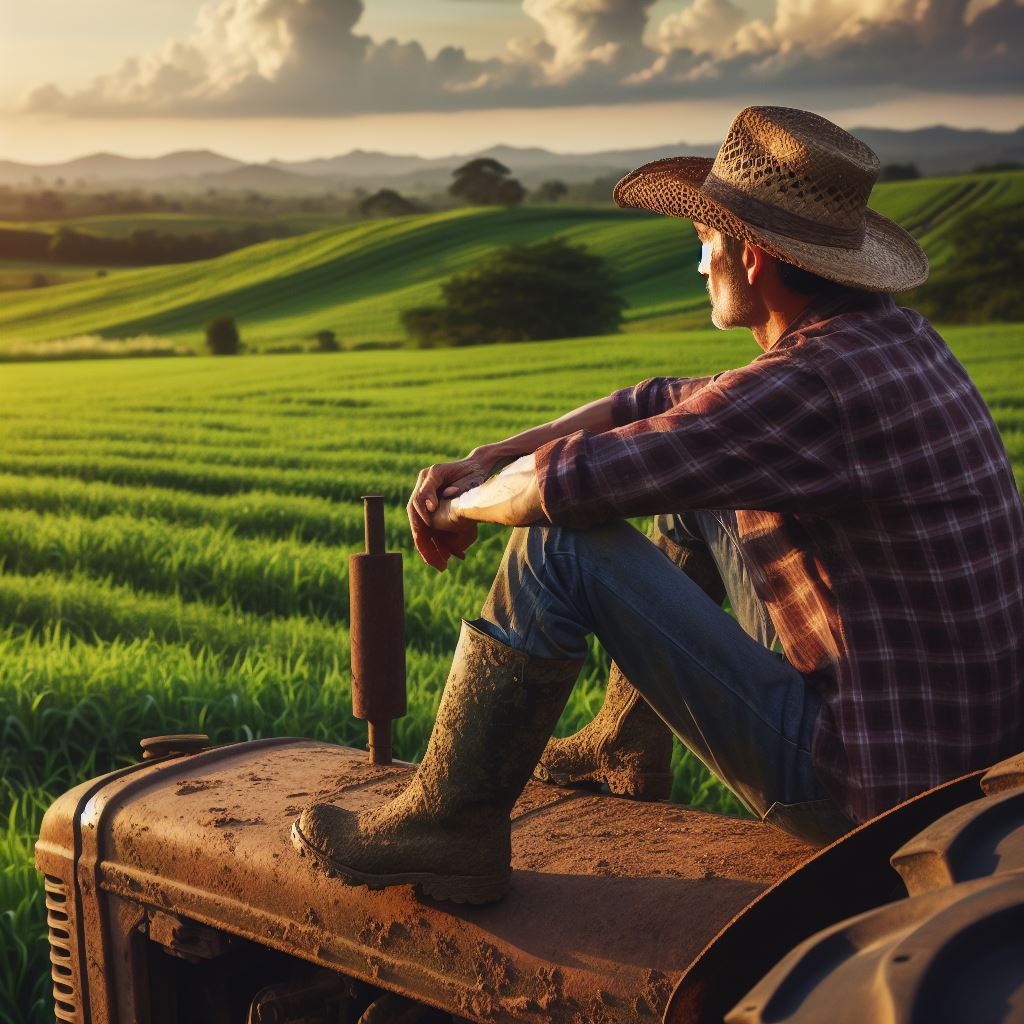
x=120, y=225
x=356, y=279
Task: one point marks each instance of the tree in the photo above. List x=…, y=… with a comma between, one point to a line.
x=222, y=337
x=486, y=182
x=386, y=203
x=550, y=192
x=546, y=290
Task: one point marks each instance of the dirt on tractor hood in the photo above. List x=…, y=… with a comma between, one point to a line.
x=610, y=901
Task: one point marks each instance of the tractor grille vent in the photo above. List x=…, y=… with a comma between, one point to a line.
x=62, y=951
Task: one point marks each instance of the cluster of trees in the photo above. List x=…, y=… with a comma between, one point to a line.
x=143, y=247
x=480, y=182
x=549, y=289
x=980, y=281
x=23, y=204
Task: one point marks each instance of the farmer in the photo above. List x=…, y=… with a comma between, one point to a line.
x=847, y=489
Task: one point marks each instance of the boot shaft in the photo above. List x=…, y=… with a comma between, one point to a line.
x=497, y=712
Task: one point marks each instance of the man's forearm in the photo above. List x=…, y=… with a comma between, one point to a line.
x=511, y=498
x=595, y=417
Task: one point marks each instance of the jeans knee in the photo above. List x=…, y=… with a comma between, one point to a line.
x=535, y=545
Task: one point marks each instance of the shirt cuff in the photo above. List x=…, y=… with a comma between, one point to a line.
x=557, y=464
x=625, y=407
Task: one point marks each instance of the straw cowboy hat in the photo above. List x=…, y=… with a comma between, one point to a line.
x=797, y=186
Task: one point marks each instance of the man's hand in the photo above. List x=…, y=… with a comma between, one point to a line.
x=447, y=479
x=441, y=535
x=444, y=524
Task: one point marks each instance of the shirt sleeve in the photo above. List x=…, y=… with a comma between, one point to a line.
x=652, y=396
x=766, y=436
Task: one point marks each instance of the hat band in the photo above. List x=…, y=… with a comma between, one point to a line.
x=776, y=218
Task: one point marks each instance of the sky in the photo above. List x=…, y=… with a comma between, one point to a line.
x=295, y=79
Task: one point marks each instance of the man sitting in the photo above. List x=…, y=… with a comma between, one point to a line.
x=848, y=489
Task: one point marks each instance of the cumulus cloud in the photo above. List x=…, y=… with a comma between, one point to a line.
x=307, y=58
x=584, y=35
x=282, y=57
x=869, y=45
x=702, y=27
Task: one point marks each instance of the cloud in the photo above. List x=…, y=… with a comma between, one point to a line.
x=701, y=27
x=278, y=57
x=587, y=35
x=307, y=58
x=862, y=47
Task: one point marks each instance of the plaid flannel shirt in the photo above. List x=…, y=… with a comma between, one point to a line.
x=879, y=520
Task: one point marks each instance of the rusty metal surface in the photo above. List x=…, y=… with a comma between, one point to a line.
x=377, y=633
x=610, y=899
x=1008, y=774
x=67, y=852
x=378, y=636
x=57, y=854
x=954, y=955
x=849, y=877
x=984, y=837
x=174, y=744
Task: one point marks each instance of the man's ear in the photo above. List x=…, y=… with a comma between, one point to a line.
x=754, y=259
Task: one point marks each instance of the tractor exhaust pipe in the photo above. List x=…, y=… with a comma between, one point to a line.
x=377, y=632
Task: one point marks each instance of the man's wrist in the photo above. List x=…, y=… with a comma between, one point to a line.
x=487, y=456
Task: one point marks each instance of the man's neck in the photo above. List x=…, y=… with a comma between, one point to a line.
x=785, y=311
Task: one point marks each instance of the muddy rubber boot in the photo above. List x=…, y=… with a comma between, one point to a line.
x=627, y=746
x=448, y=834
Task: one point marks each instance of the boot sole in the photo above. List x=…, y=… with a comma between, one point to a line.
x=648, y=786
x=475, y=889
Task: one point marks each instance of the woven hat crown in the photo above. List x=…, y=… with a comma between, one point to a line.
x=797, y=186
x=797, y=171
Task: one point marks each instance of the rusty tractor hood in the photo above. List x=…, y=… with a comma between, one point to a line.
x=611, y=899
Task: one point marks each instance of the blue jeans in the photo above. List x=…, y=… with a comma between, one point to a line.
x=740, y=707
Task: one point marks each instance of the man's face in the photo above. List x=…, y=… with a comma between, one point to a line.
x=731, y=302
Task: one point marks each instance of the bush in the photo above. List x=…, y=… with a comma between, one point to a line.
x=523, y=292
x=326, y=341
x=222, y=337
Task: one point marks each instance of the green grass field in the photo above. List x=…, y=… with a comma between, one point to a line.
x=355, y=279
x=174, y=538
x=174, y=533
x=121, y=225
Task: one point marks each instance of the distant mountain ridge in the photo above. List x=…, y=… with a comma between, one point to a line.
x=935, y=150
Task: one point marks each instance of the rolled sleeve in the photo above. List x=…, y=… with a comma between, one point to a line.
x=652, y=396
x=766, y=436
x=567, y=495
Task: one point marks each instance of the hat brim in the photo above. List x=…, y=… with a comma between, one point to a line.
x=888, y=259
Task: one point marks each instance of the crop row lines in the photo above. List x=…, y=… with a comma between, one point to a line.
x=208, y=564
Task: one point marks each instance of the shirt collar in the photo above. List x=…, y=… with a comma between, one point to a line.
x=828, y=304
